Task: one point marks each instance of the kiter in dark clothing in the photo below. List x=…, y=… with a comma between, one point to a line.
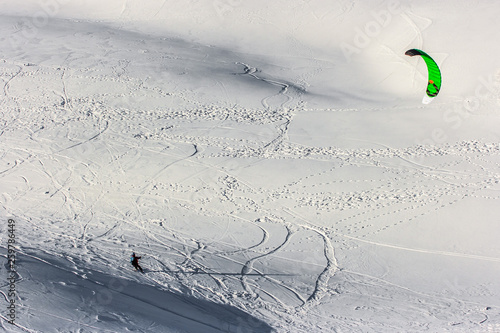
x=134, y=260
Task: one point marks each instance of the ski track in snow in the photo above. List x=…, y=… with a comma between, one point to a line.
x=151, y=178
x=349, y=224
x=251, y=71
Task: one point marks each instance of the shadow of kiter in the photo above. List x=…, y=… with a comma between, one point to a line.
x=134, y=260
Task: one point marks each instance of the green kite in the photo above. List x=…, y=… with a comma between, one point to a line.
x=434, y=80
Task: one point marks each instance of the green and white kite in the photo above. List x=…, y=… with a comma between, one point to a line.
x=434, y=80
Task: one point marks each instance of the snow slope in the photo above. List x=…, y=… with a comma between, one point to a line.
x=271, y=162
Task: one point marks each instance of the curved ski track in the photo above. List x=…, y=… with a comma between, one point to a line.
x=154, y=188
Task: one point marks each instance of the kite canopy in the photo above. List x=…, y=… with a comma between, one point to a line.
x=434, y=81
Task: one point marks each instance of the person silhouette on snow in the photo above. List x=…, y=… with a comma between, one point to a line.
x=134, y=260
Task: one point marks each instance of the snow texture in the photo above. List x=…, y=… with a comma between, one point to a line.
x=271, y=161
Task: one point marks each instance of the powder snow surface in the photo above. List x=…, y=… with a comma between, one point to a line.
x=271, y=161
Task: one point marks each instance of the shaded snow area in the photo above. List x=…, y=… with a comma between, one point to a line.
x=272, y=163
